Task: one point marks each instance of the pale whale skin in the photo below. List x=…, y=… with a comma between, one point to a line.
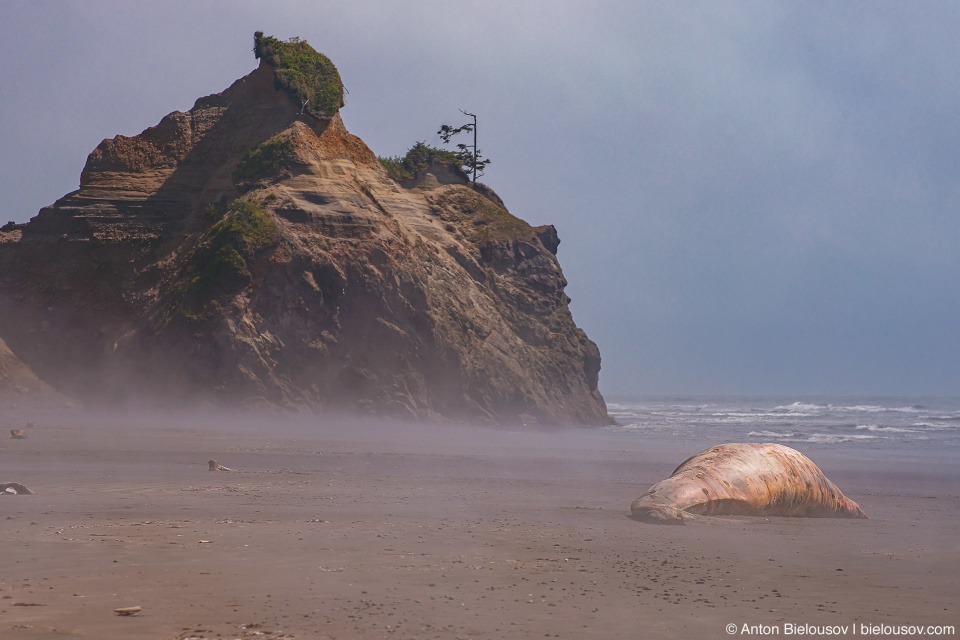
x=745, y=478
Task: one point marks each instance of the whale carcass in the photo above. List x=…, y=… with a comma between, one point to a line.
x=745, y=478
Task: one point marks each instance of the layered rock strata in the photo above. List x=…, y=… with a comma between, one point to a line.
x=249, y=251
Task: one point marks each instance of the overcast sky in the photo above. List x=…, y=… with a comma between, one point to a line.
x=752, y=197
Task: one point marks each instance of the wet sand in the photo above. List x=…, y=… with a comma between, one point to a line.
x=362, y=531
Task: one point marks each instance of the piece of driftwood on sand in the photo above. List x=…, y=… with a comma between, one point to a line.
x=14, y=488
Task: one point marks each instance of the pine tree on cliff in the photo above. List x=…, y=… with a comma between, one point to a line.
x=470, y=160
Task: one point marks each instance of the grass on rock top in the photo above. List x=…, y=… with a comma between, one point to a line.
x=304, y=73
x=490, y=222
x=418, y=158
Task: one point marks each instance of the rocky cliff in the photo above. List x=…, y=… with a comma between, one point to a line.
x=20, y=386
x=252, y=250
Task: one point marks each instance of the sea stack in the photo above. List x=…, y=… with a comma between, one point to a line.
x=252, y=251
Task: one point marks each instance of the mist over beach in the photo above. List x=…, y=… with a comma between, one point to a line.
x=278, y=359
x=353, y=528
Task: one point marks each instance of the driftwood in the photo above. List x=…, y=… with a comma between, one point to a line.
x=127, y=611
x=15, y=487
x=216, y=466
x=18, y=434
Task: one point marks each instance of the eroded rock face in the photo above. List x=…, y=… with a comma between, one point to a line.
x=18, y=383
x=246, y=252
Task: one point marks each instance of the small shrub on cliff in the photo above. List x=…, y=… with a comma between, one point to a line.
x=266, y=162
x=220, y=262
x=246, y=224
x=225, y=248
x=394, y=167
x=418, y=158
x=215, y=211
x=309, y=77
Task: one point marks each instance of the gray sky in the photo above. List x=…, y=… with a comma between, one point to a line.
x=752, y=197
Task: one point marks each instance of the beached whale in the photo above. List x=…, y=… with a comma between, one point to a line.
x=745, y=478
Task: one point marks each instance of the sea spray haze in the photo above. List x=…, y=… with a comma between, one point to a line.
x=253, y=251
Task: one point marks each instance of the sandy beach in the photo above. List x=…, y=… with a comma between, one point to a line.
x=337, y=529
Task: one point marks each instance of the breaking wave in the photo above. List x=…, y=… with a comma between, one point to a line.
x=870, y=422
x=832, y=438
x=876, y=427
x=801, y=408
x=771, y=434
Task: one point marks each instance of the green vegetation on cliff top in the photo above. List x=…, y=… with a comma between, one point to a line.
x=488, y=222
x=306, y=75
x=418, y=158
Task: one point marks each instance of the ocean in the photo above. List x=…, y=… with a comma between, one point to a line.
x=927, y=428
